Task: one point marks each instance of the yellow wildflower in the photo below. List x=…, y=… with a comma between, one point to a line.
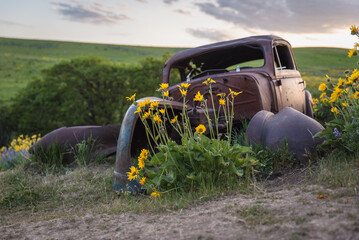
x=162, y=111
x=324, y=100
x=315, y=100
x=353, y=30
x=221, y=95
x=173, y=120
x=2, y=149
x=154, y=104
x=345, y=104
x=155, y=193
x=132, y=98
x=163, y=86
x=337, y=93
x=198, y=97
x=143, y=180
x=141, y=163
x=184, y=85
x=133, y=173
x=356, y=95
x=166, y=94
x=201, y=129
x=322, y=87
x=209, y=81
x=233, y=93
x=183, y=92
x=334, y=110
x=144, y=154
x=17, y=148
x=157, y=118
x=323, y=95
x=354, y=76
x=138, y=110
x=146, y=114
x=222, y=101
x=351, y=52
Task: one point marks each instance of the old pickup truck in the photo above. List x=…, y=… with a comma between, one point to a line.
x=263, y=67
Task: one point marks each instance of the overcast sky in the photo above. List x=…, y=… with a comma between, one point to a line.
x=180, y=23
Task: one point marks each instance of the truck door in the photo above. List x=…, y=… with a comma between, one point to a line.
x=288, y=82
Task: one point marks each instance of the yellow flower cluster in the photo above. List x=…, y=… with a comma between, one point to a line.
x=21, y=143
x=354, y=30
x=183, y=88
x=142, y=158
x=151, y=109
x=133, y=173
x=198, y=97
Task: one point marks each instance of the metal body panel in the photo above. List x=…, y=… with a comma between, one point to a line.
x=66, y=138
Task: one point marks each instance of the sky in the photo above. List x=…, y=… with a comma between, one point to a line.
x=180, y=23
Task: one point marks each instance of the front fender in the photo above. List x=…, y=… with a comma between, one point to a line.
x=125, y=144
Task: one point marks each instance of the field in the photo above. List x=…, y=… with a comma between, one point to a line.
x=317, y=201
x=22, y=60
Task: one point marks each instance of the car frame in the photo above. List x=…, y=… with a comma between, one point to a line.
x=263, y=68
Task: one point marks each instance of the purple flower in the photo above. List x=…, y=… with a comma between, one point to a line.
x=337, y=133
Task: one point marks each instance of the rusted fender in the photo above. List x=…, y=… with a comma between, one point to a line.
x=67, y=137
x=130, y=140
x=271, y=130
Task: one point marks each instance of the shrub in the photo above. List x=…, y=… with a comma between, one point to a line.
x=197, y=161
x=340, y=100
x=82, y=91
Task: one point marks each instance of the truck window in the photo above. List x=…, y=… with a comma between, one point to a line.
x=282, y=57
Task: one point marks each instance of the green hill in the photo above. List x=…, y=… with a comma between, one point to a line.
x=22, y=60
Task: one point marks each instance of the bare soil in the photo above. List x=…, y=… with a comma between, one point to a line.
x=284, y=208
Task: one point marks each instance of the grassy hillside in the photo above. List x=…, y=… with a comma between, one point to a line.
x=22, y=60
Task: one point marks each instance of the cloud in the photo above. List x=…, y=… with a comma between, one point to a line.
x=288, y=16
x=181, y=11
x=94, y=14
x=143, y=1
x=209, y=34
x=169, y=1
x=3, y=22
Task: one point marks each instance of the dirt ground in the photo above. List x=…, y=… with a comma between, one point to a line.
x=285, y=208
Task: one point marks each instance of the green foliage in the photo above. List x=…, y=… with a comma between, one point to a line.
x=83, y=91
x=278, y=160
x=85, y=153
x=198, y=162
x=19, y=189
x=339, y=169
x=5, y=125
x=21, y=61
x=49, y=160
x=195, y=161
x=342, y=98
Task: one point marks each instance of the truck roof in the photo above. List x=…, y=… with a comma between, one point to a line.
x=259, y=40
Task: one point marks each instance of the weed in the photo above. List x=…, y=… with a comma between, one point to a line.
x=257, y=215
x=337, y=170
x=47, y=160
x=299, y=219
x=85, y=153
